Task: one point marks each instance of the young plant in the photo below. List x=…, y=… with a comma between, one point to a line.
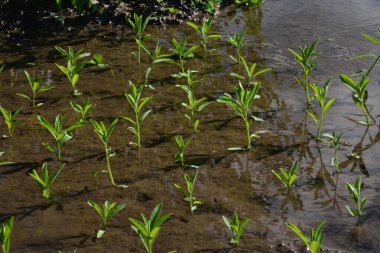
x=241, y=104
x=104, y=134
x=314, y=244
x=204, y=31
x=249, y=2
x=320, y=94
x=138, y=25
x=10, y=119
x=148, y=228
x=334, y=140
x=5, y=235
x=306, y=58
x=182, y=52
x=287, y=178
x=181, y=145
x=106, y=212
x=138, y=105
x=249, y=72
x=212, y=5
x=354, y=191
x=236, y=227
x=83, y=110
x=188, y=191
x=45, y=182
x=35, y=85
x=73, y=66
x=4, y=163
x=60, y=135
x=239, y=42
x=97, y=60
x=194, y=107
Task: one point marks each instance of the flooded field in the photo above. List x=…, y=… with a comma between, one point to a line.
x=227, y=181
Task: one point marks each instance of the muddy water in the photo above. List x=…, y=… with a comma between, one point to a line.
x=227, y=182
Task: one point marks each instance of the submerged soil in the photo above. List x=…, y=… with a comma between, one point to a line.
x=227, y=181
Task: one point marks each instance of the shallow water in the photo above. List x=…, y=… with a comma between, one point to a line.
x=226, y=181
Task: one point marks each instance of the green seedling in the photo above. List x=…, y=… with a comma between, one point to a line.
x=58, y=6
x=2, y=68
x=181, y=145
x=249, y=73
x=148, y=228
x=314, y=244
x=182, y=52
x=138, y=105
x=204, y=31
x=73, y=65
x=306, y=58
x=83, y=110
x=193, y=107
x=241, y=104
x=334, y=140
x=97, y=60
x=10, y=119
x=212, y=6
x=45, y=182
x=239, y=42
x=354, y=191
x=287, y=178
x=104, y=134
x=60, y=135
x=250, y=2
x=5, y=235
x=188, y=191
x=138, y=25
x=106, y=212
x=320, y=94
x=189, y=77
x=236, y=228
x=4, y=163
x=35, y=85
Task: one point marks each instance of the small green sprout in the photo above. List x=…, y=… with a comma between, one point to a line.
x=236, y=227
x=61, y=135
x=250, y=73
x=138, y=25
x=314, y=244
x=148, y=228
x=182, y=52
x=238, y=41
x=106, y=212
x=354, y=191
x=334, y=140
x=181, y=145
x=83, y=110
x=5, y=235
x=4, y=163
x=306, y=58
x=249, y=2
x=320, y=94
x=287, y=178
x=45, y=182
x=97, y=60
x=138, y=105
x=35, y=86
x=188, y=191
x=204, y=31
x=10, y=119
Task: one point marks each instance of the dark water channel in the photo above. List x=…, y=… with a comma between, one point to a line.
x=227, y=181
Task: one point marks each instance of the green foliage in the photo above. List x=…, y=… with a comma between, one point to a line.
x=236, y=227
x=238, y=41
x=250, y=2
x=315, y=242
x=138, y=105
x=83, y=110
x=73, y=67
x=241, y=104
x=334, y=140
x=10, y=119
x=106, y=212
x=4, y=163
x=35, y=86
x=354, y=191
x=287, y=178
x=306, y=58
x=97, y=60
x=249, y=72
x=193, y=107
x=5, y=235
x=138, y=25
x=148, y=228
x=181, y=145
x=60, y=135
x=204, y=31
x=212, y=6
x=182, y=52
x=320, y=94
x=188, y=191
x=45, y=182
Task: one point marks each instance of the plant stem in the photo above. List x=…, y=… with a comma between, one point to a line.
x=306, y=87
x=138, y=130
x=108, y=165
x=247, y=133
